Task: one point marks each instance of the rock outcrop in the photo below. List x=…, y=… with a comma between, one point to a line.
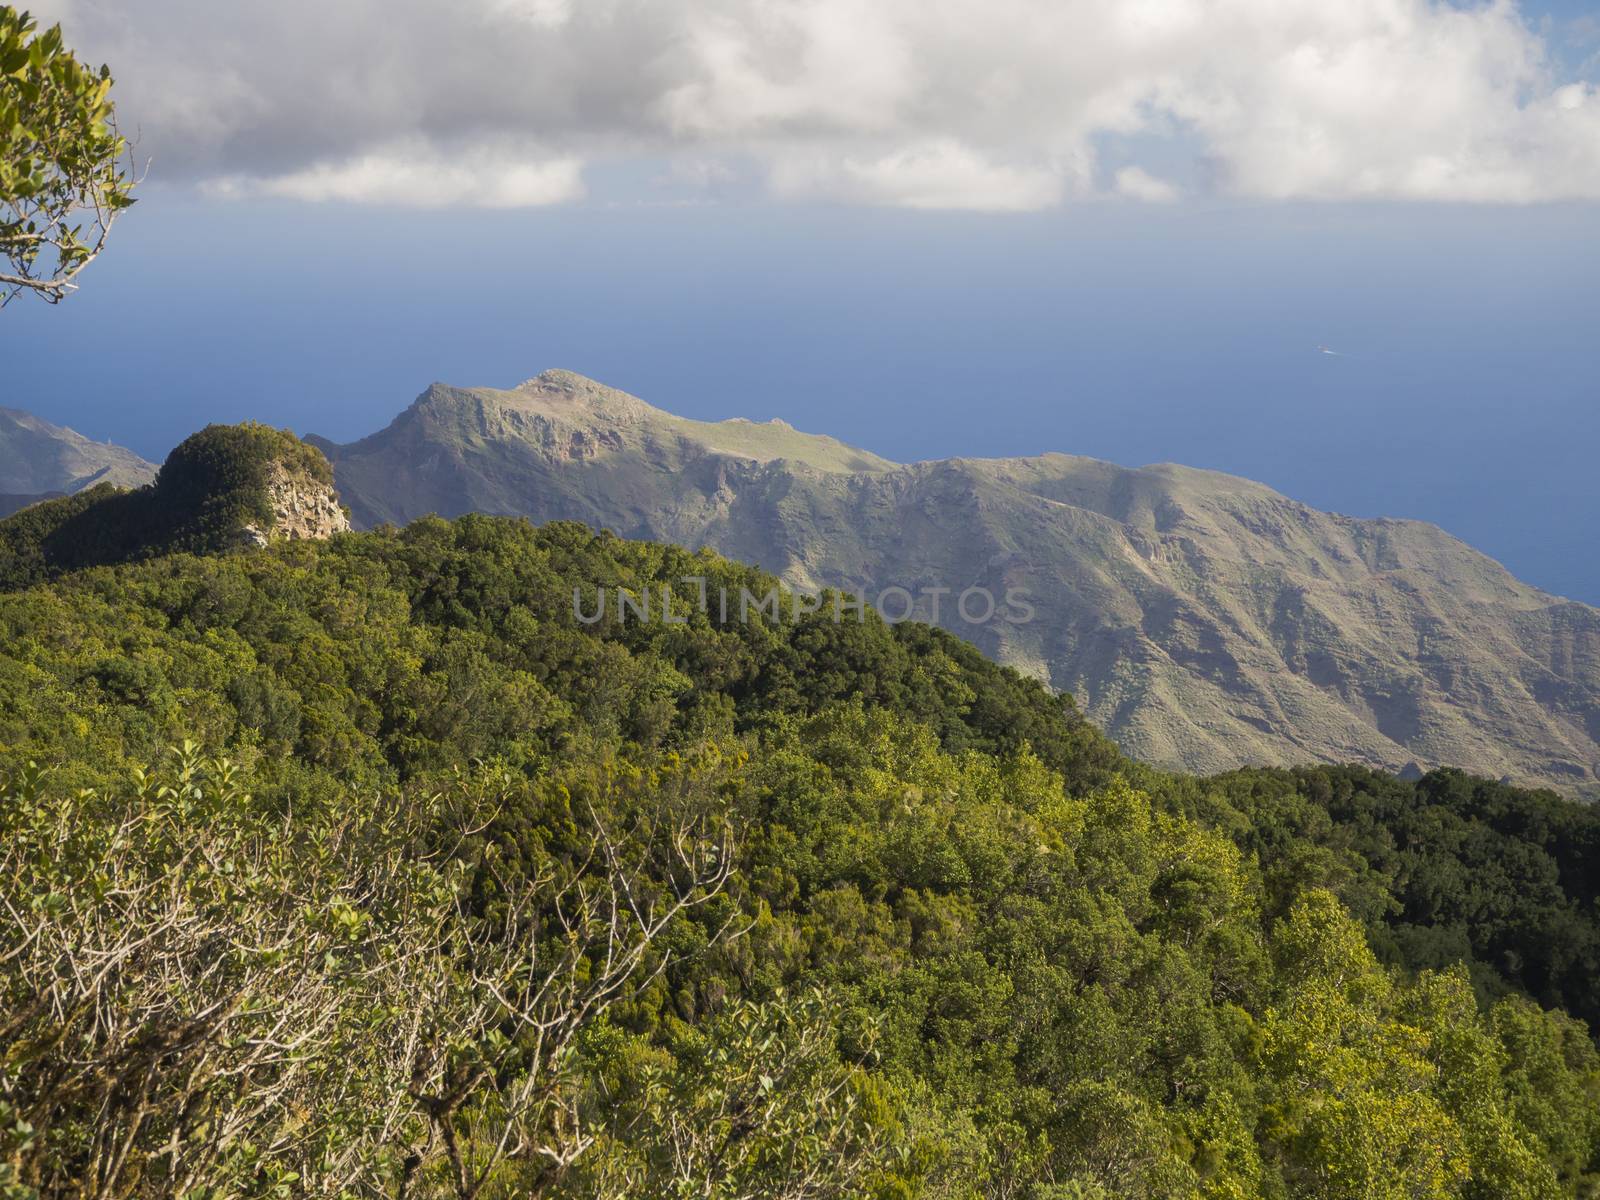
x=303, y=508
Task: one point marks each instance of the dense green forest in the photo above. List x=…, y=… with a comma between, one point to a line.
x=447, y=893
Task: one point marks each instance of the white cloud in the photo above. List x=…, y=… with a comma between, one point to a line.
x=551, y=14
x=1138, y=184
x=417, y=176
x=990, y=104
x=1574, y=95
x=931, y=175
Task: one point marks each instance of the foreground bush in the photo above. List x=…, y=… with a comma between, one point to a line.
x=510, y=989
x=206, y=997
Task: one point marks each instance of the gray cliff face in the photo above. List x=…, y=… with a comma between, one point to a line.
x=303, y=508
x=1204, y=621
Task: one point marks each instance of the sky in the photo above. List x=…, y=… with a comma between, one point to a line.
x=928, y=227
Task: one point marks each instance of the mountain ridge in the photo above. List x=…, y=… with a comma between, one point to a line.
x=38, y=458
x=1205, y=621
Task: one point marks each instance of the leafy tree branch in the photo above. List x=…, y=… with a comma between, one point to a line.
x=65, y=174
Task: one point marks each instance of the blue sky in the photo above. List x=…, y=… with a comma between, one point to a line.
x=1146, y=283
x=1465, y=391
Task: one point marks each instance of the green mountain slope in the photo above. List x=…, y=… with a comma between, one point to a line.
x=38, y=458
x=1204, y=621
x=961, y=947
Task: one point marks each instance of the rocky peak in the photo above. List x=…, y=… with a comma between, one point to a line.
x=569, y=394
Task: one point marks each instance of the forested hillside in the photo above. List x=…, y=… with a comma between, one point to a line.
x=452, y=893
